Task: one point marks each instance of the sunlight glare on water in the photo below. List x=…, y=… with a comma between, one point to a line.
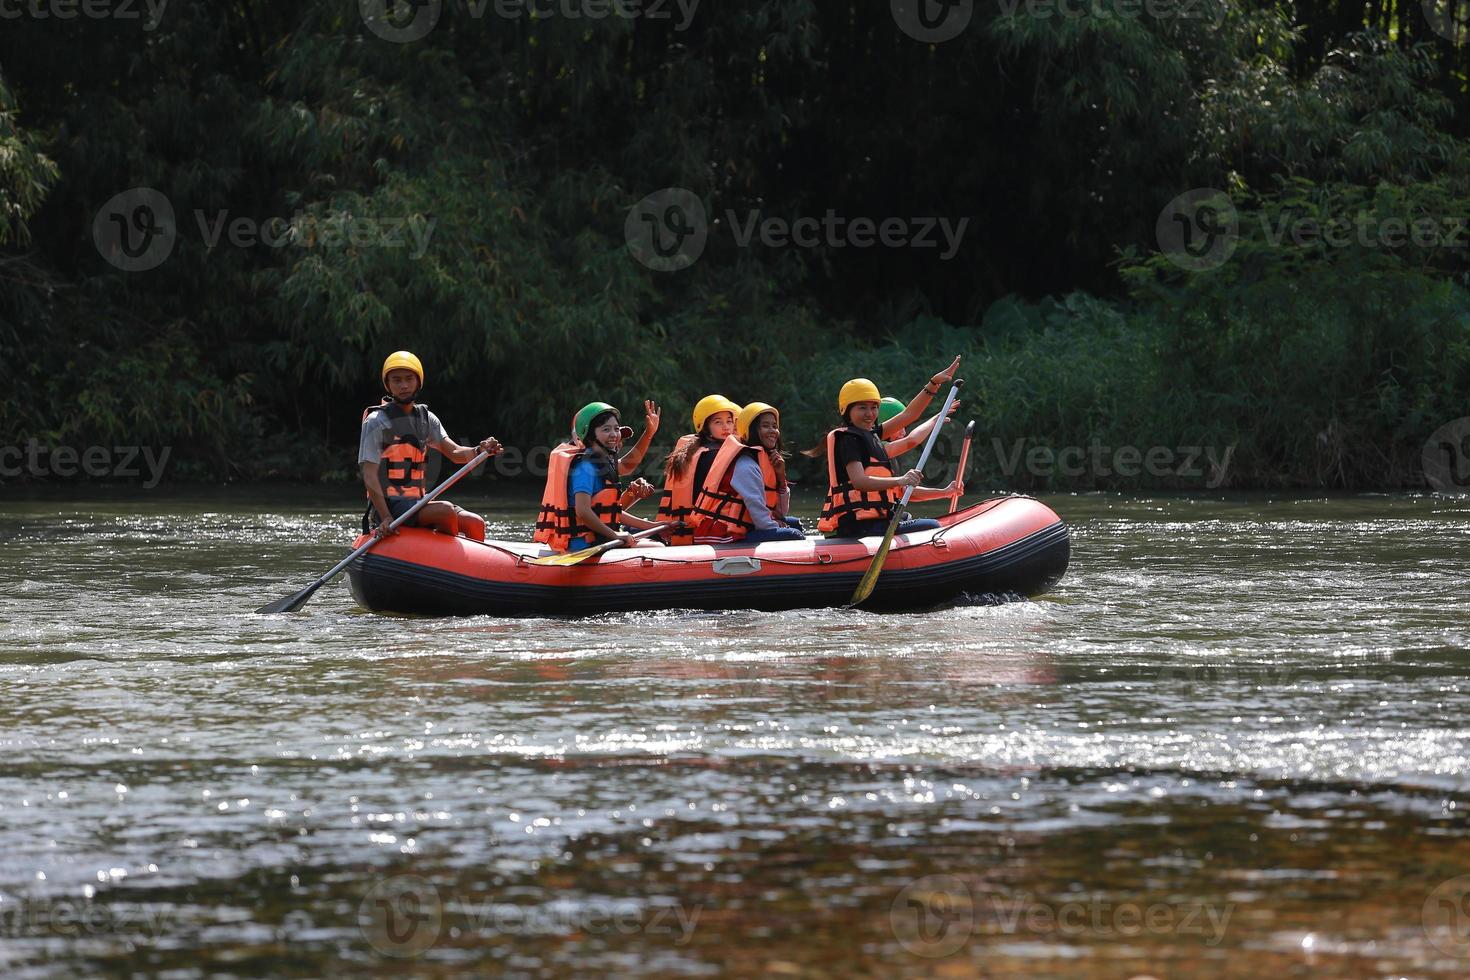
x=1239, y=704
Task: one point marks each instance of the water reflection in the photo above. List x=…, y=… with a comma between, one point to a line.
x=1230, y=706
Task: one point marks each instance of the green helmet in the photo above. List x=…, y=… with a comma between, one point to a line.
x=583, y=419
x=889, y=408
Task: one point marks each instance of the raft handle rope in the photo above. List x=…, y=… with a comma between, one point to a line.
x=822, y=557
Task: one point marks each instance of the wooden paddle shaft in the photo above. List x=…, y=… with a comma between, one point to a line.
x=959, y=473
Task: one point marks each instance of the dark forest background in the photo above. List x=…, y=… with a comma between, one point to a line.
x=1061, y=131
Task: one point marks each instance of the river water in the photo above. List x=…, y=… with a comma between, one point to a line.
x=1233, y=742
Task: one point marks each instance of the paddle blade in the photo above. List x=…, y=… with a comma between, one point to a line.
x=292, y=602
x=870, y=577
x=573, y=557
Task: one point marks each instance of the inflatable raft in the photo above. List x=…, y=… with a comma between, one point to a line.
x=1003, y=547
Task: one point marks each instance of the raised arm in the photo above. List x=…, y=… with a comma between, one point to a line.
x=919, y=402
x=631, y=460
x=898, y=447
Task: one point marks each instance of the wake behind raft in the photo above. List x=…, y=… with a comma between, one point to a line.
x=1006, y=546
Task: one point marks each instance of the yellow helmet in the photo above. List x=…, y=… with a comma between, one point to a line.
x=856, y=390
x=749, y=414
x=710, y=405
x=402, y=359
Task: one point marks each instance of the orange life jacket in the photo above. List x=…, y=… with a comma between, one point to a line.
x=557, y=524
x=768, y=477
x=846, y=501
x=677, y=501
x=720, y=512
x=401, y=466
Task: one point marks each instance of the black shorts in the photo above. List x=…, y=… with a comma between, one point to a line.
x=397, y=506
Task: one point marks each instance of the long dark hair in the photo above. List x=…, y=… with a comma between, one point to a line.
x=682, y=455
x=819, y=451
x=776, y=455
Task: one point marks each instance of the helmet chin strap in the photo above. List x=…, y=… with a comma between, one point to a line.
x=406, y=401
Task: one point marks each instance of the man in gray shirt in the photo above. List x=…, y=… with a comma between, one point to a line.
x=391, y=453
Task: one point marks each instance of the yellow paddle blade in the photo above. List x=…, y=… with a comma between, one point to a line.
x=870, y=577
x=572, y=557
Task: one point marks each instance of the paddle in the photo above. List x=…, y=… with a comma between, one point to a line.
x=294, y=602
x=870, y=577
x=959, y=473
x=577, y=557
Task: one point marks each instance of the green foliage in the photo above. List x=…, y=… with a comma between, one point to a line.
x=503, y=156
x=26, y=174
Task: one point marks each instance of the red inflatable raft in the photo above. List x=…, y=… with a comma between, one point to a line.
x=1003, y=547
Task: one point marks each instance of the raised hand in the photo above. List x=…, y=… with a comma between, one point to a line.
x=650, y=415
x=947, y=375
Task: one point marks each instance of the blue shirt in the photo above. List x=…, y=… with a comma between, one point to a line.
x=586, y=477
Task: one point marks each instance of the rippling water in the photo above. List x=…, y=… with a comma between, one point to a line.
x=1233, y=742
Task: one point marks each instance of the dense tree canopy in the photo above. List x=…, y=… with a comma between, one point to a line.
x=466, y=194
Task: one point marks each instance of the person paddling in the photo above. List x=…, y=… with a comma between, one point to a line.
x=584, y=502
x=688, y=464
x=750, y=499
x=396, y=437
x=862, y=483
